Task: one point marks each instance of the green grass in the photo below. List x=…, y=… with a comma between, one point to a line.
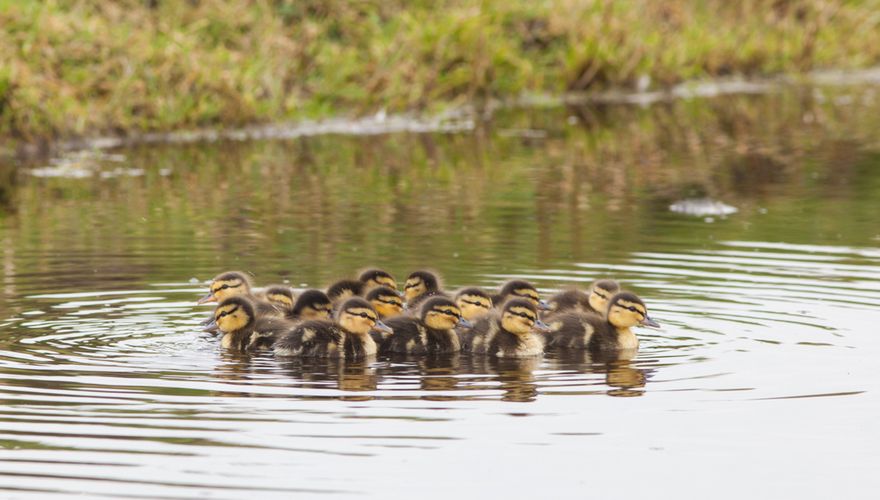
x=79, y=68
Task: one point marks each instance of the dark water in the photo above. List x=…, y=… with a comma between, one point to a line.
x=762, y=383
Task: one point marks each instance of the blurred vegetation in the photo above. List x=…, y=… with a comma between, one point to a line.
x=80, y=67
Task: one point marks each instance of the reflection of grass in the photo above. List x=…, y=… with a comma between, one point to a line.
x=74, y=67
x=318, y=209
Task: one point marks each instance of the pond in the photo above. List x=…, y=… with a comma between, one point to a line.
x=762, y=381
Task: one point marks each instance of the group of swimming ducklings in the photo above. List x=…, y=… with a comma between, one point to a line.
x=359, y=318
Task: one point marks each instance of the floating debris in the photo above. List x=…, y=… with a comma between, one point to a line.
x=702, y=207
x=85, y=164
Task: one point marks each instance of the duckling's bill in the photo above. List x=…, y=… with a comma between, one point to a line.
x=541, y=327
x=649, y=322
x=211, y=327
x=382, y=328
x=207, y=298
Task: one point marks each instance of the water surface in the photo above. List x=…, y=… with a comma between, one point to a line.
x=762, y=382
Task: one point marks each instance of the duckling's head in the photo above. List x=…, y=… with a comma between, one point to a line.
x=420, y=283
x=372, y=278
x=386, y=301
x=281, y=296
x=312, y=304
x=226, y=285
x=520, y=317
x=524, y=290
x=626, y=310
x=601, y=292
x=441, y=313
x=357, y=316
x=233, y=314
x=473, y=302
x=344, y=289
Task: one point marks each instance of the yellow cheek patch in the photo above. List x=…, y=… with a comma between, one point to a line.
x=218, y=286
x=390, y=283
x=232, y=322
x=281, y=299
x=389, y=301
x=523, y=312
x=476, y=301
x=527, y=293
x=225, y=309
x=360, y=312
x=625, y=304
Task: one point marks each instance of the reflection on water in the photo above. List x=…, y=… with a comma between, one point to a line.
x=109, y=388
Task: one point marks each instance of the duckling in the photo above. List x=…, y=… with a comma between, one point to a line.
x=386, y=301
x=232, y=283
x=516, y=332
x=474, y=303
x=311, y=304
x=432, y=332
x=595, y=302
x=281, y=296
x=237, y=320
x=372, y=278
x=519, y=289
x=343, y=290
x=419, y=286
x=596, y=333
x=347, y=337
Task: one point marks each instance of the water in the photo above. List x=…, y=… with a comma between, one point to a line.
x=762, y=382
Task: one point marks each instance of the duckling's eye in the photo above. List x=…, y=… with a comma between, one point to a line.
x=473, y=303
x=227, y=313
x=522, y=315
x=600, y=295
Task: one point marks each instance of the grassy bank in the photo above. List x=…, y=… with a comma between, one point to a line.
x=74, y=68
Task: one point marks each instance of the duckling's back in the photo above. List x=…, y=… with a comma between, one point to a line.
x=478, y=338
x=312, y=338
x=412, y=307
x=488, y=337
x=265, y=308
x=410, y=336
x=260, y=335
x=576, y=330
x=571, y=300
x=267, y=330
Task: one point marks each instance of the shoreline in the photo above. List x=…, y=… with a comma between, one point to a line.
x=457, y=119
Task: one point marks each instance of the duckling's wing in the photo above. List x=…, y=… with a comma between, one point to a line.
x=309, y=338
x=572, y=330
x=409, y=336
x=480, y=336
x=267, y=330
x=290, y=343
x=265, y=308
